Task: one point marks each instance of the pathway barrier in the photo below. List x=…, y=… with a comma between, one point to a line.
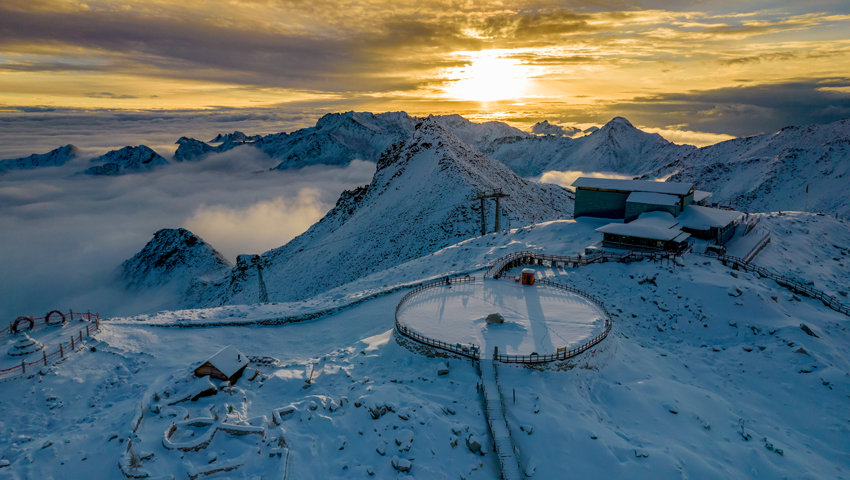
x=517, y=259
x=789, y=283
x=65, y=349
x=45, y=321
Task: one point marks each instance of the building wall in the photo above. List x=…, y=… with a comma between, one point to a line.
x=688, y=200
x=601, y=204
x=633, y=210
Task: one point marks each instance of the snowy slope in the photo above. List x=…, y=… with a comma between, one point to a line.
x=769, y=172
x=125, y=160
x=419, y=201
x=53, y=158
x=696, y=381
x=617, y=147
x=173, y=255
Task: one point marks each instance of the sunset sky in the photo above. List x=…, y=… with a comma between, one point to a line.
x=683, y=69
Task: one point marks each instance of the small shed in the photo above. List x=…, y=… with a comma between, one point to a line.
x=227, y=364
x=528, y=276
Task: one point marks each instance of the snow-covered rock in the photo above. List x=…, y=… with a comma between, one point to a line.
x=401, y=464
x=53, y=158
x=404, y=439
x=125, y=160
x=442, y=369
x=173, y=255
x=236, y=136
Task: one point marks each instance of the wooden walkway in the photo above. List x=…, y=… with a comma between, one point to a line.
x=494, y=409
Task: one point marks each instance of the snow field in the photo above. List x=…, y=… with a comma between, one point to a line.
x=537, y=318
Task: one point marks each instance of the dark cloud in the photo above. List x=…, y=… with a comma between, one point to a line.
x=742, y=111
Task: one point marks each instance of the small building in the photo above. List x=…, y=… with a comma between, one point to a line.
x=713, y=224
x=610, y=198
x=650, y=231
x=227, y=364
x=527, y=276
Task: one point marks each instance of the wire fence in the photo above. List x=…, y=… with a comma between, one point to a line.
x=65, y=349
x=517, y=259
x=789, y=283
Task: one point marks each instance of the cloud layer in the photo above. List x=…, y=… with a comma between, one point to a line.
x=63, y=237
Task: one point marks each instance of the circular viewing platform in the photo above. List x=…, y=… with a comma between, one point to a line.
x=537, y=319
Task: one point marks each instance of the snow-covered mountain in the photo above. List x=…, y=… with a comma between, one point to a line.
x=173, y=256
x=418, y=202
x=53, y=158
x=126, y=160
x=770, y=172
x=546, y=128
x=617, y=147
x=236, y=136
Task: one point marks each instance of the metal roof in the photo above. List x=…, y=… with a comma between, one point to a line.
x=634, y=185
x=651, y=225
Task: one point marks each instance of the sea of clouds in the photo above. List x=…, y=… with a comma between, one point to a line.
x=63, y=236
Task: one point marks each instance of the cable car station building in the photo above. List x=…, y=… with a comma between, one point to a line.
x=654, y=215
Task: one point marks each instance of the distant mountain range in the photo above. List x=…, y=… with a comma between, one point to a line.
x=766, y=172
x=419, y=201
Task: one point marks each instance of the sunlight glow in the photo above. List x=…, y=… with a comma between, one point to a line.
x=489, y=78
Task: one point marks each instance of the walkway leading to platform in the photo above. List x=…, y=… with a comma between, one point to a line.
x=494, y=409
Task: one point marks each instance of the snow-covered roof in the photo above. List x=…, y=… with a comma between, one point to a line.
x=229, y=360
x=703, y=218
x=528, y=270
x=653, y=198
x=699, y=195
x=634, y=185
x=651, y=225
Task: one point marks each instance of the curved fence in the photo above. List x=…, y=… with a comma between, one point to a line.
x=42, y=322
x=789, y=283
x=65, y=349
x=474, y=352
x=564, y=353
x=468, y=351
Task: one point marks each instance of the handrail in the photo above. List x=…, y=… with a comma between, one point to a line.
x=521, y=258
x=789, y=283
x=470, y=352
x=82, y=316
x=60, y=353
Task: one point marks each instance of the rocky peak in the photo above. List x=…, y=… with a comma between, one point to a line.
x=126, y=160
x=53, y=158
x=173, y=254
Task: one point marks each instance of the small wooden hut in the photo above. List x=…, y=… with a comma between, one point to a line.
x=528, y=276
x=227, y=364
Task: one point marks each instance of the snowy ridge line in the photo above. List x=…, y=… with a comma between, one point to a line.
x=471, y=352
x=284, y=320
x=35, y=324
x=54, y=357
x=791, y=284
x=563, y=354
x=494, y=409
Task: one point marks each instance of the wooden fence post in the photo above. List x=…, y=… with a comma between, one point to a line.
x=61, y=351
x=72, y=343
x=44, y=355
x=71, y=315
x=89, y=313
x=23, y=366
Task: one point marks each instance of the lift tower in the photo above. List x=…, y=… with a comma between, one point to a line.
x=497, y=195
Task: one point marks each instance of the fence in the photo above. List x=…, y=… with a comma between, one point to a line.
x=563, y=354
x=64, y=349
x=516, y=259
x=42, y=322
x=789, y=283
x=757, y=248
x=473, y=352
x=468, y=351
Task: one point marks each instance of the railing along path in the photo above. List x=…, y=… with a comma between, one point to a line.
x=64, y=349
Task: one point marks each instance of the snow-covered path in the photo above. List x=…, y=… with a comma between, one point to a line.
x=495, y=411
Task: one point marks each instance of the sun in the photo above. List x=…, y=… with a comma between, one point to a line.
x=489, y=78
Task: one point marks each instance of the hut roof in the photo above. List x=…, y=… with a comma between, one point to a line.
x=228, y=360
x=699, y=195
x=651, y=225
x=702, y=218
x=528, y=270
x=634, y=185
